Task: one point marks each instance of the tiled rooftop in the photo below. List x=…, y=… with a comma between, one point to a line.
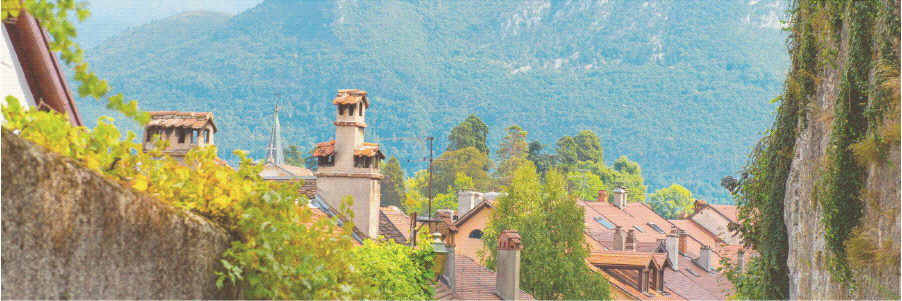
x=324, y=149
x=476, y=282
x=394, y=225
x=729, y=211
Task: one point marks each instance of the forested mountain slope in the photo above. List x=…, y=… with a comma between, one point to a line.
x=682, y=87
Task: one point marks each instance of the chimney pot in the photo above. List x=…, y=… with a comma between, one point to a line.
x=630, y=241
x=602, y=195
x=683, y=238
x=619, y=198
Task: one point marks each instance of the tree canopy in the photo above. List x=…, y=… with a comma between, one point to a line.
x=551, y=227
x=671, y=201
x=471, y=132
x=392, y=184
x=588, y=147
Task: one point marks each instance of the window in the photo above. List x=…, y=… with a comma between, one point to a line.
x=360, y=112
x=655, y=227
x=206, y=136
x=377, y=163
x=193, y=136
x=149, y=135
x=181, y=134
x=604, y=222
x=477, y=234
x=351, y=109
x=637, y=228
x=341, y=109
x=327, y=161
x=358, y=162
x=367, y=162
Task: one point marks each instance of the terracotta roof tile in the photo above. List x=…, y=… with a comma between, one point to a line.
x=368, y=150
x=476, y=282
x=351, y=96
x=728, y=211
x=398, y=219
x=389, y=230
x=194, y=120
x=443, y=292
x=324, y=149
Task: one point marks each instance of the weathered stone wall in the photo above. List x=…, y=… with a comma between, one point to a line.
x=807, y=258
x=70, y=233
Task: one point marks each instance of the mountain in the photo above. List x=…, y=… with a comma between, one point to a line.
x=682, y=87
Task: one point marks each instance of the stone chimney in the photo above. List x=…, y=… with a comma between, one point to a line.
x=450, y=268
x=630, y=244
x=508, y=265
x=740, y=255
x=683, y=238
x=619, y=239
x=602, y=195
x=673, y=252
x=466, y=200
x=619, y=198
x=704, y=258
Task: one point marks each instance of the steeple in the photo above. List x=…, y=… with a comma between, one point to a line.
x=274, y=152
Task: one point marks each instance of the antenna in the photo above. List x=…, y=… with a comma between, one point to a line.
x=428, y=218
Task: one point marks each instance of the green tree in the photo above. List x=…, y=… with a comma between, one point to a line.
x=397, y=270
x=551, y=227
x=588, y=147
x=540, y=158
x=584, y=184
x=629, y=174
x=566, y=152
x=512, y=153
x=471, y=132
x=469, y=161
x=392, y=183
x=671, y=201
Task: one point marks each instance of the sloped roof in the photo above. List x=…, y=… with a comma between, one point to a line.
x=351, y=96
x=476, y=282
x=41, y=67
x=627, y=282
x=324, y=149
x=728, y=211
x=281, y=171
x=369, y=150
x=193, y=120
x=392, y=224
x=628, y=259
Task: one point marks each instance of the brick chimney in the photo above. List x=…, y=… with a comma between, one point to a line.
x=699, y=205
x=683, y=238
x=602, y=195
x=630, y=244
x=619, y=239
x=673, y=252
x=619, y=198
x=508, y=265
x=704, y=258
x=466, y=200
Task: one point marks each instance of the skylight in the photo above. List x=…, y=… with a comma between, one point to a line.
x=637, y=228
x=655, y=227
x=604, y=222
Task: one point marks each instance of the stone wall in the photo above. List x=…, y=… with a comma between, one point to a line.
x=807, y=258
x=70, y=233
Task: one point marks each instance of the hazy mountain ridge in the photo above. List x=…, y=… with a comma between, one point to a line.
x=681, y=97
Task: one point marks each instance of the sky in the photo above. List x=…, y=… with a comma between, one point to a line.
x=109, y=17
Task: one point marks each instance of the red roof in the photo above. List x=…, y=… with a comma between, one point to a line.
x=476, y=282
x=351, y=96
x=324, y=149
x=394, y=224
x=194, y=120
x=728, y=211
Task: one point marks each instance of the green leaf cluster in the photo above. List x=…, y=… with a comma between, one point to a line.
x=551, y=226
x=671, y=201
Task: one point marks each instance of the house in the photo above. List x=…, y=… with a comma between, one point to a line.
x=31, y=72
x=349, y=166
x=715, y=219
x=183, y=130
x=642, y=254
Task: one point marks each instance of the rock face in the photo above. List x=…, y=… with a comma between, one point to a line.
x=70, y=233
x=807, y=258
